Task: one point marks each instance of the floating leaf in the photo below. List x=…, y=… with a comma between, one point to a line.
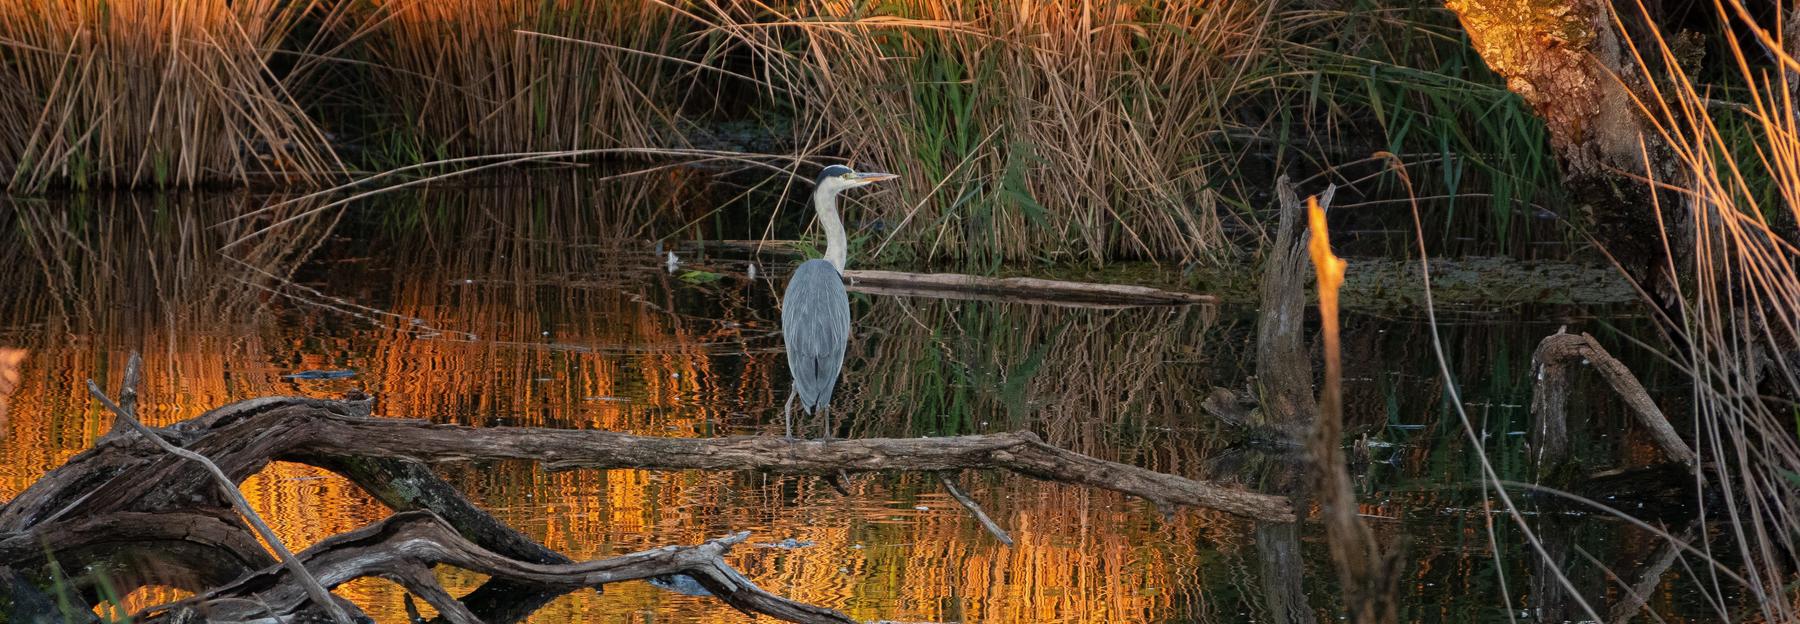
x=700, y=277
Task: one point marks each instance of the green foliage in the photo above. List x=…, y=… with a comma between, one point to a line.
x=1400, y=76
x=700, y=277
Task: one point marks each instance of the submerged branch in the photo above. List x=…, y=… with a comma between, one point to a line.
x=1549, y=402
x=407, y=545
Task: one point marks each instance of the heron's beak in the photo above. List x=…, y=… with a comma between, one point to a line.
x=865, y=177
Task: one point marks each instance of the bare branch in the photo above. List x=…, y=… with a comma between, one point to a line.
x=1549, y=399
x=407, y=545
x=229, y=487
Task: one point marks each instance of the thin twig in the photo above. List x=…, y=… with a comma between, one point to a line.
x=974, y=508
x=313, y=588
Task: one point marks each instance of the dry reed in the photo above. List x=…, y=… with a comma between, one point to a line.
x=151, y=92
x=1056, y=130
x=481, y=77
x=1737, y=176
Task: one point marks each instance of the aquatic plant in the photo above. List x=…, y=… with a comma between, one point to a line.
x=151, y=93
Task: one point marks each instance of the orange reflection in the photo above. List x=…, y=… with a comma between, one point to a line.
x=10, y=359
x=493, y=317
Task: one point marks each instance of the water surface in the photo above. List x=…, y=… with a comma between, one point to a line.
x=549, y=305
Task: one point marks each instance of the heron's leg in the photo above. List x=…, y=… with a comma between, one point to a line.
x=825, y=410
x=787, y=413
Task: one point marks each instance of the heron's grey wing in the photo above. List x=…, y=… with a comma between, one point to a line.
x=815, y=324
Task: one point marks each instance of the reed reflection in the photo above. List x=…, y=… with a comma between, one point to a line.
x=503, y=305
x=99, y=276
x=1113, y=383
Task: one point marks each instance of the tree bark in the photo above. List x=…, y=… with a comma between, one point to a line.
x=1569, y=63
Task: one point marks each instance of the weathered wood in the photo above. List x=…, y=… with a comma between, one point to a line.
x=1279, y=407
x=407, y=543
x=225, y=484
x=132, y=490
x=191, y=550
x=1284, y=376
x=411, y=486
x=1056, y=292
x=1553, y=360
x=1020, y=452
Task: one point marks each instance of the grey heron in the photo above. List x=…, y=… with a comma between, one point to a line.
x=815, y=311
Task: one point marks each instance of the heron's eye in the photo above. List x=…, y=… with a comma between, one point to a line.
x=845, y=177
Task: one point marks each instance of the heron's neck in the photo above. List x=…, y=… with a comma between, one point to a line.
x=836, y=244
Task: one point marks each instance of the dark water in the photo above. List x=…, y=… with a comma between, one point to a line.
x=548, y=306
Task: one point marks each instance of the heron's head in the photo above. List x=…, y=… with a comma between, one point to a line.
x=838, y=177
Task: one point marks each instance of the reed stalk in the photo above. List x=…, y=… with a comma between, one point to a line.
x=1733, y=166
x=465, y=77
x=1057, y=130
x=160, y=93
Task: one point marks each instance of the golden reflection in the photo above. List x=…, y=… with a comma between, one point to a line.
x=496, y=318
x=10, y=360
x=467, y=313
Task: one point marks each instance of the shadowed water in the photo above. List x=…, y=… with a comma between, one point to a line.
x=546, y=306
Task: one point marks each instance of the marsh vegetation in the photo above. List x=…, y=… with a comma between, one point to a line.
x=542, y=244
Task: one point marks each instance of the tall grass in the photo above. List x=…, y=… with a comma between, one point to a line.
x=1736, y=164
x=465, y=77
x=150, y=92
x=1059, y=130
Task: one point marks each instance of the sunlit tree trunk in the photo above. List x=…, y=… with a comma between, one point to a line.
x=1567, y=61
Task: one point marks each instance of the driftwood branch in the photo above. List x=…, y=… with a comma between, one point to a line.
x=1552, y=361
x=314, y=590
x=406, y=546
x=1022, y=289
x=131, y=495
x=1020, y=452
x=405, y=485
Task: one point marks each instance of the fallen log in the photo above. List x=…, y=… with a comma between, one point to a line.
x=126, y=497
x=244, y=437
x=1022, y=289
